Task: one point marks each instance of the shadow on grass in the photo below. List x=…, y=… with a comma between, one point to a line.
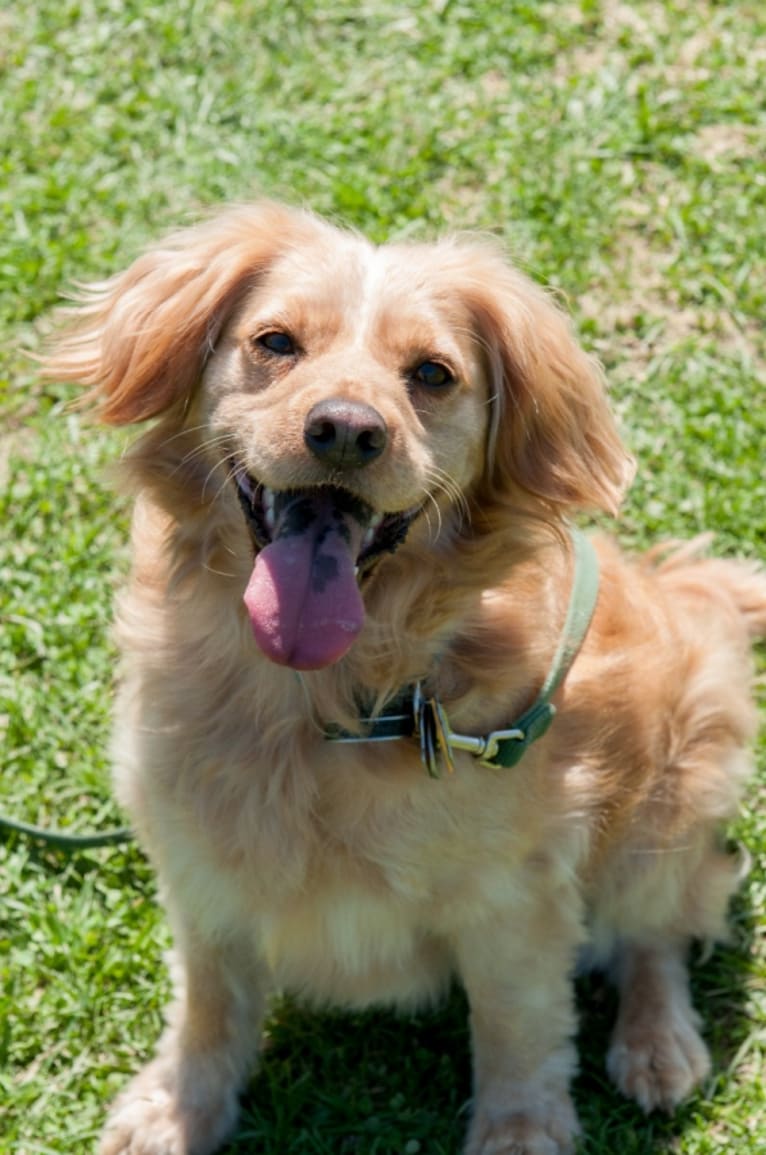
x=379, y=1084
x=363, y=1083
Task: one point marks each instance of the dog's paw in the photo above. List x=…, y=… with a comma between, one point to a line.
x=660, y=1064
x=151, y=1118
x=146, y=1124
x=526, y=1133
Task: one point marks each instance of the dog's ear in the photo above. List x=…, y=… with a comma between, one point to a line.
x=140, y=339
x=553, y=433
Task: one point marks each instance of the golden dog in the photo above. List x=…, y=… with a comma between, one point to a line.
x=355, y=494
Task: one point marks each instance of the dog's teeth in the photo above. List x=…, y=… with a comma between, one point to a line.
x=268, y=507
x=372, y=528
x=243, y=481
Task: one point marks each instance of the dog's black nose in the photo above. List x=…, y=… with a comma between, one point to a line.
x=345, y=434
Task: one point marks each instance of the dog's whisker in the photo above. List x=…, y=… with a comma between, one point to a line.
x=213, y=470
x=203, y=448
x=229, y=476
x=435, y=504
x=446, y=484
x=218, y=572
x=185, y=431
x=451, y=486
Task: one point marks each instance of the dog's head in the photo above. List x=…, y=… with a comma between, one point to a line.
x=349, y=392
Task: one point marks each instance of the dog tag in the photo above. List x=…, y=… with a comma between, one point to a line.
x=429, y=754
x=442, y=728
x=433, y=729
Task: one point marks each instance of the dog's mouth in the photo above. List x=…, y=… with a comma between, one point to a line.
x=314, y=547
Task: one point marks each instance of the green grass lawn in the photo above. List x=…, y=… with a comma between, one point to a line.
x=618, y=149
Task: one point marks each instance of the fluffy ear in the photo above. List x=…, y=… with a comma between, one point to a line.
x=553, y=432
x=140, y=339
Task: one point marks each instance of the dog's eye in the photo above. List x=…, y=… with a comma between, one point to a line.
x=276, y=342
x=433, y=375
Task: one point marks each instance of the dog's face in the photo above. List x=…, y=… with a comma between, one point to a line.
x=350, y=392
x=339, y=368
x=351, y=401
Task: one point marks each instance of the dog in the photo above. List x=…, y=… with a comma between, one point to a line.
x=353, y=573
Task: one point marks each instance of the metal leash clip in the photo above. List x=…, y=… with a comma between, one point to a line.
x=438, y=739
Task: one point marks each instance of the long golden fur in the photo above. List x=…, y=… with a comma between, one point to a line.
x=343, y=872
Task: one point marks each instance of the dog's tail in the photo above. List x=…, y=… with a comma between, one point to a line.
x=738, y=582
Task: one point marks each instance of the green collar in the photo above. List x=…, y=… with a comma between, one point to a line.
x=412, y=715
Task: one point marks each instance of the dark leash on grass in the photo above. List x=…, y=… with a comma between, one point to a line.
x=63, y=841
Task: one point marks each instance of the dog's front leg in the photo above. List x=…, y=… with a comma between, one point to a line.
x=185, y=1101
x=517, y=975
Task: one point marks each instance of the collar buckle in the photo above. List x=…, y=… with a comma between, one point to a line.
x=438, y=739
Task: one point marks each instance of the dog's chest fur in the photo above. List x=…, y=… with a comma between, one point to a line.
x=350, y=867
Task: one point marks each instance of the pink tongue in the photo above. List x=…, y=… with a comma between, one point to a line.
x=302, y=598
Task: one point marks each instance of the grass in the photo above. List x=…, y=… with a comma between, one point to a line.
x=618, y=151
